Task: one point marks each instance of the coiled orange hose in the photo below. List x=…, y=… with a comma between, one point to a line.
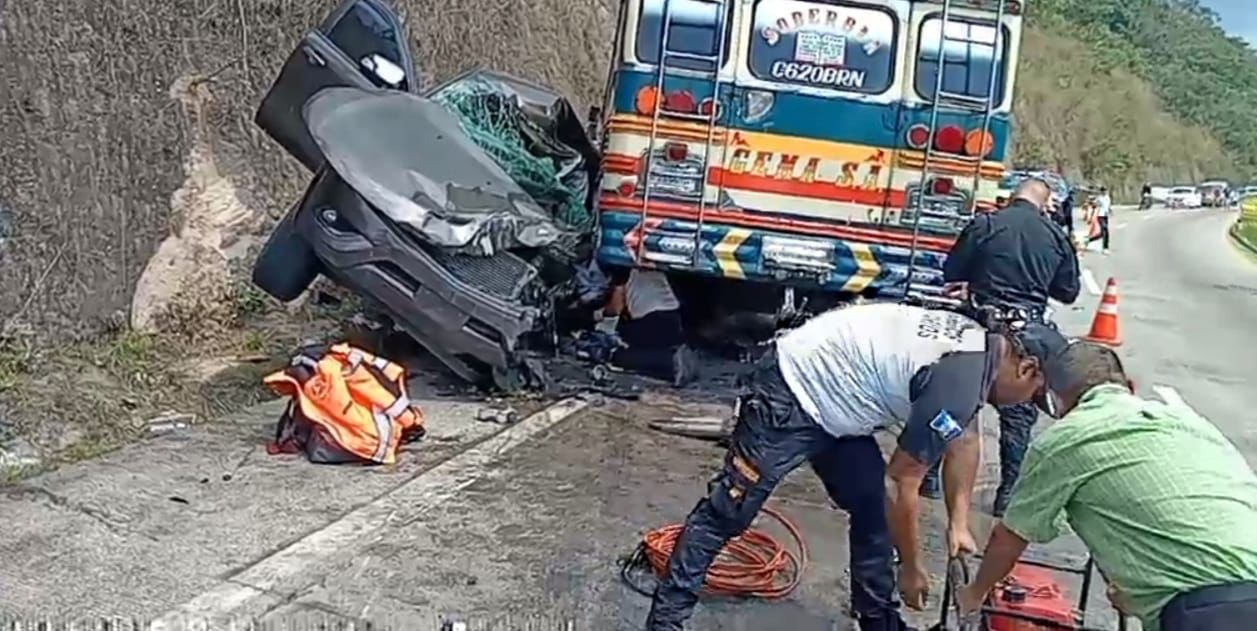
x=754, y=564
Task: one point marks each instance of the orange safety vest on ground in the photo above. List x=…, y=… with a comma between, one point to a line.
x=347, y=406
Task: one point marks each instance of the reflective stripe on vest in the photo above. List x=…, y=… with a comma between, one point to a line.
x=384, y=433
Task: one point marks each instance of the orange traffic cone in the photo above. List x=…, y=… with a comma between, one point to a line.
x=1104, y=329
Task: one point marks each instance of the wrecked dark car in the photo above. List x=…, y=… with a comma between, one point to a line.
x=462, y=211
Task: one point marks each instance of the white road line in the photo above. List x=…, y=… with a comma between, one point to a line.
x=261, y=586
x=1171, y=396
x=1089, y=280
x=1119, y=226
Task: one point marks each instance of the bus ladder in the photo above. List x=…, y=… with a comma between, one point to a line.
x=666, y=55
x=955, y=101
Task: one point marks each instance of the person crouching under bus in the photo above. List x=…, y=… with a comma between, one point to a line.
x=650, y=328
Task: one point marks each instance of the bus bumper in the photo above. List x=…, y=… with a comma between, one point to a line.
x=769, y=256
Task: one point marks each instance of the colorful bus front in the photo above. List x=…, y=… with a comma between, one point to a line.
x=801, y=142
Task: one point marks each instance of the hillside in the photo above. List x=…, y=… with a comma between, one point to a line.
x=1105, y=125
x=1169, y=91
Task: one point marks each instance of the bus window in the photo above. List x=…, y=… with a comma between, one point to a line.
x=966, y=64
x=695, y=30
x=824, y=45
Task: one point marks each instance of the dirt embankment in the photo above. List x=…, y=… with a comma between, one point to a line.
x=134, y=187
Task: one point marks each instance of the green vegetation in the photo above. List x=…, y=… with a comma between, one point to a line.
x=1244, y=231
x=1127, y=91
x=1247, y=231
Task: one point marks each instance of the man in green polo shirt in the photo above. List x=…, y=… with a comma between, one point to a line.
x=1166, y=505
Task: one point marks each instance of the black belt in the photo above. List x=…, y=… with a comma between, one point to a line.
x=992, y=314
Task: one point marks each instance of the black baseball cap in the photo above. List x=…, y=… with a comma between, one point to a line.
x=1045, y=343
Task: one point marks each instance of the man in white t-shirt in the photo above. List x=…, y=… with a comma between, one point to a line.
x=1104, y=207
x=650, y=327
x=819, y=398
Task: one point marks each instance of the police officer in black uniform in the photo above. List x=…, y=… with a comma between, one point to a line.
x=1011, y=262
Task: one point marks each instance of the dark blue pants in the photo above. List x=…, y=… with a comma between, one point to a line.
x=1220, y=608
x=1015, y=423
x=652, y=340
x=772, y=437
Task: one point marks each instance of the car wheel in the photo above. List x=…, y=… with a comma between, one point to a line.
x=286, y=265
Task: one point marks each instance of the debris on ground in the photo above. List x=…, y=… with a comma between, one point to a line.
x=704, y=427
x=170, y=422
x=17, y=455
x=499, y=415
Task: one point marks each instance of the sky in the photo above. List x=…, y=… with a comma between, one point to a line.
x=1238, y=17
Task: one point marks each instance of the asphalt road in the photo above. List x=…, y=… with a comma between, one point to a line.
x=522, y=528
x=1188, y=312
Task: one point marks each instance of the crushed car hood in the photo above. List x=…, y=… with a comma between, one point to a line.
x=408, y=157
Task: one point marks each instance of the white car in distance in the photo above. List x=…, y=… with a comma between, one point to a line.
x=1184, y=197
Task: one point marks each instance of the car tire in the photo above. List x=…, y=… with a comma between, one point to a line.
x=286, y=265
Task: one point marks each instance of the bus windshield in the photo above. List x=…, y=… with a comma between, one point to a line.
x=823, y=45
x=967, y=58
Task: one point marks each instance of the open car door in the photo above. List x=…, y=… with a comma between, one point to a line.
x=360, y=44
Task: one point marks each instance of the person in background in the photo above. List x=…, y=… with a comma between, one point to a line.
x=1103, y=208
x=1164, y=502
x=650, y=327
x=1064, y=215
x=1015, y=258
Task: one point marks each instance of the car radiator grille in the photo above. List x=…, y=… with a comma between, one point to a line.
x=504, y=275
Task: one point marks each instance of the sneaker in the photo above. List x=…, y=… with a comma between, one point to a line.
x=684, y=367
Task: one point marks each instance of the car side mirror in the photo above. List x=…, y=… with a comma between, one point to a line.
x=390, y=73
